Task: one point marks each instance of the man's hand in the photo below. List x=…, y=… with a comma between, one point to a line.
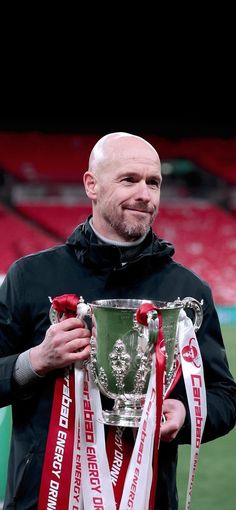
x=66, y=342
x=174, y=413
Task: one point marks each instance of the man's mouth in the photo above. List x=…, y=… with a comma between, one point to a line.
x=141, y=210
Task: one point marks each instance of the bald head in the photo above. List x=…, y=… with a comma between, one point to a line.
x=120, y=146
x=123, y=181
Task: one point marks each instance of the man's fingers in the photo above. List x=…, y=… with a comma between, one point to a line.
x=68, y=324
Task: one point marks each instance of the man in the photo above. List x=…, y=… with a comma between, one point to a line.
x=114, y=254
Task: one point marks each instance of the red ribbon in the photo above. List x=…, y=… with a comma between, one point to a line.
x=66, y=305
x=60, y=435
x=125, y=449
x=142, y=318
x=141, y=314
x=160, y=382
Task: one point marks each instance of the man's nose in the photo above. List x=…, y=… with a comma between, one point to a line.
x=143, y=192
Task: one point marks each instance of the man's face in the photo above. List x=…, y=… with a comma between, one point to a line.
x=127, y=197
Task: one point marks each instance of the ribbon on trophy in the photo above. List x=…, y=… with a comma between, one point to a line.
x=120, y=472
x=192, y=368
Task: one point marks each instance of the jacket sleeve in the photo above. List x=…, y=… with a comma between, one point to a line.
x=14, y=324
x=220, y=385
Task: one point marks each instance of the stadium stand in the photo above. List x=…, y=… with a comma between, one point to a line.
x=57, y=219
x=204, y=236
x=63, y=158
x=19, y=237
x=38, y=157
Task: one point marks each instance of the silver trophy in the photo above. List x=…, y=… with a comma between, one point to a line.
x=121, y=350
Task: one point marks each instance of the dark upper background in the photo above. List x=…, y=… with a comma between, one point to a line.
x=180, y=101
x=171, y=125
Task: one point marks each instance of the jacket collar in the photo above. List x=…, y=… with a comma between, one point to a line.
x=91, y=250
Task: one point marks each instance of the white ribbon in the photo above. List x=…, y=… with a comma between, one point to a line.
x=193, y=374
x=96, y=481
x=76, y=499
x=139, y=476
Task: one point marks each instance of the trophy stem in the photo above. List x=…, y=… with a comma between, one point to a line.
x=124, y=413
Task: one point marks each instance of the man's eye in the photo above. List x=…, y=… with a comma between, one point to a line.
x=155, y=184
x=128, y=179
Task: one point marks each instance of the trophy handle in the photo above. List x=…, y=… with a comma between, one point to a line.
x=83, y=309
x=196, y=306
x=59, y=309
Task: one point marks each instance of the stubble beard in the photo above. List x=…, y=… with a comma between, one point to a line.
x=127, y=230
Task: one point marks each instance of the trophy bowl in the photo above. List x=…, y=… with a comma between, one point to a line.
x=122, y=348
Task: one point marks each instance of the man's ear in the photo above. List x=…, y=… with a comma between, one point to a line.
x=90, y=183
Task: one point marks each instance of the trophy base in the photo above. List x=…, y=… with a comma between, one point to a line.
x=121, y=419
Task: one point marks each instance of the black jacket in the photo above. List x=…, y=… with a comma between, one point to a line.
x=88, y=267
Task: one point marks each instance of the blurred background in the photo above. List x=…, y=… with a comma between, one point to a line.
x=42, y=160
